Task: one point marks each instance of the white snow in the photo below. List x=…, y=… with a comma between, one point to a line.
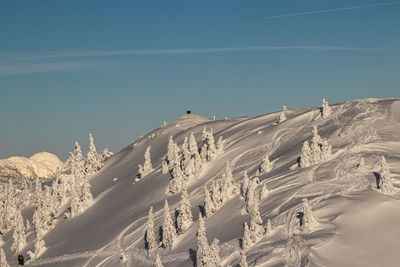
x=357, y=225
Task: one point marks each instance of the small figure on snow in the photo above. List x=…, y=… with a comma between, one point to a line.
x=20, y=259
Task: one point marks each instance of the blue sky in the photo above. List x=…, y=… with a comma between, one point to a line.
x=118, y=69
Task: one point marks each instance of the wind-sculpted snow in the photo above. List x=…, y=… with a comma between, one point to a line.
x=43, y=165
x=352, y=222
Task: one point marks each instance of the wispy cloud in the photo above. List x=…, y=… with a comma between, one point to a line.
x=33, y=62
x=50, y=67
x=332, y=10
x=80, y=54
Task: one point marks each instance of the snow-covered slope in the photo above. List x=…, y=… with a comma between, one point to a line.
x=42, y=165
x=357, y=225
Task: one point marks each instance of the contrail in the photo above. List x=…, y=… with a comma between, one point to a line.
x=332, y=10
x=80, y=54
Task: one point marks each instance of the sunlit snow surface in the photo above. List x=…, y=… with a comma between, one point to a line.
x=357, y=225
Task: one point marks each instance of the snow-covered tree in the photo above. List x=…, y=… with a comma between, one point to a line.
x=172, y=157
x=308, y=218
x=168, y=229
x=158, y=261
x=164, y=166
x=184, y=217
x=243, y=259
x=385, y=181
x=209, y=208
x=87, y=197
x=256, y=227
x=318, y=151
x=326, y=109
x=77, y=165
x=151, y=242
x=195, y=156
x=220, y=144
x=93, y=160
x=203, y=253
x=75, y=204
x=105, y=154
x=246, y=240
x=177, y=180
x=250, y=196
x=146, y=168
x=264, y=191
x=216, y=194
x=19, y=236
x=282, y=115
x=208, y=149
x=269, y=228
x=245, y=184
x=266, y=165
x=227, y=182
x=3, y=259
x=214, y=253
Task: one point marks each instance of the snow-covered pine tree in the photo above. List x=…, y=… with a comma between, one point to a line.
x=77, y=165
x=93, y=160
x=158, y=261
x=172, y=157
x=385, y=181
x=245, y=184
x=19, y=236
x=315, y=146
x=246, y=240
x=264, y=191
x=105, y=155
x=214, y=253
x=208, y=149
x=216, y=194
x=177, y=180
x=308, y=218
x=256, y=227
x=186, y=166
x=243, y=259
x=269, y=228
x=266, y=165
x=164, y=169
x=250, y=196
x=151, y=242
x=147, y=166
x=75, y=204
x=195, y=156
x=184, y=217
x=203, y=253
x=3, y=259
x=227, y=182
x=209, y=208
x=86, y=197
x=220, y=144
x=168, y=229
x=282, y=115
x=326, y=109
x=306, y=156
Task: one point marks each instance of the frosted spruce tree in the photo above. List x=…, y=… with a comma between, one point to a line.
x=246, y=240
x=146, y=168
x=208, y=149
x=184, y=217
x=209, y=208
x=19, y=236
x=266, y=165
x=168, y=229
x=308, y=218
x=250, y=196
x=203, y=253
x=264, y=192
x=385, y=181
x=256, y=227
x=93, y=160
x=227, y=187
x=3, y=259
x=105, y=155
x=151, y=241
x=195, y=156
x=326, y=109
x=220, y=145
x=282, y=115
x=245, y=184
x=77, y=165
x=306, y=156
x=243, y=259
x=75, y=203
x=39, y=246
x=86, y=197
x=216, y=194
x=269, y=228
x=158, y=261
x=214, y=253
x=177, y=176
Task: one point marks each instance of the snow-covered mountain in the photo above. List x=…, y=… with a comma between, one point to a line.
x=42, y=165
x=345, y=221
